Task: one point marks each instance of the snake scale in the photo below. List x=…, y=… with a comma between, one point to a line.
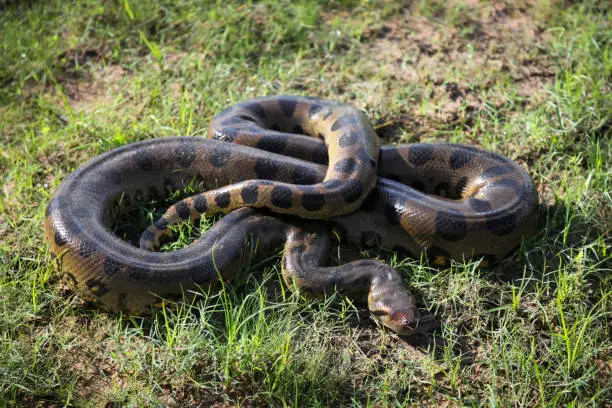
x=288, y=169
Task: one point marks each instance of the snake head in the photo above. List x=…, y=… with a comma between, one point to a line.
x=395, y=309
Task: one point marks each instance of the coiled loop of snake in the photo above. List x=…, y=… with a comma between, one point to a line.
x=344, y=136
x=450, y=201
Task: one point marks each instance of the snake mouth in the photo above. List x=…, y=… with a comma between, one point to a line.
x=403, y=323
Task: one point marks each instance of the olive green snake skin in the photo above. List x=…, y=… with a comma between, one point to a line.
x=281, y=187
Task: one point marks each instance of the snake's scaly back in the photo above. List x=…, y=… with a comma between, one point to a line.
x=450, y=201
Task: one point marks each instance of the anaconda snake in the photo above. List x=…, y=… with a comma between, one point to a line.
x=450, y=201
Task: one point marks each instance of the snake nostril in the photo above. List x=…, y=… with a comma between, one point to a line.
x=402, y=319
x=399, y=316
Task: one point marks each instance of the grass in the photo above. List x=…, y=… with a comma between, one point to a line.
x=531, y=81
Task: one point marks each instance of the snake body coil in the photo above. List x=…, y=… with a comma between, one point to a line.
x=451, y=201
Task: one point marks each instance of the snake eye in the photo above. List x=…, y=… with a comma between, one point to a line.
x=379, y=313
x=246, y=118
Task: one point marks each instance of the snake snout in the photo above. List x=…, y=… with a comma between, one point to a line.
x=398, y=313
x=404, y=323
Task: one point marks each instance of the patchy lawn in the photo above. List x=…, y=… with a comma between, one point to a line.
x=527, y=79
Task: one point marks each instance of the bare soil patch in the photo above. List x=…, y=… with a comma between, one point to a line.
x=96, y=90
x=462, y=65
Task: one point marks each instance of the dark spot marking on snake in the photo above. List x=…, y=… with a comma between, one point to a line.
x=370, y=239
x=451, y=225
x=314, y=109
x=281, y=197
x=479, y=205
x=346, y=165
x=298, y=130
x=250, y=194
x=501, y=224
x=185, y=154
x=460, y=158
x=144, y=160
x=287, y=106
x=313, y=201
x=272, y=143
x=59, y=239
x=85, y=249
x=364, y=157
x=344, y=121
x=461, y=184
x=391, y=214
x=304, y=175
x=417, y=185
x=319, y=155
x=182, y=210
x=223, y=199
x=496, y=171
x=161, y=224
x=265, y=169
x=111, y=267
x=257, y=108
x=276, y=127
x=369, y=204
x=348, y=139
x=96, y=287
x=352, y=191
x=220, y=156
x=419, y=155
x=469, y=148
